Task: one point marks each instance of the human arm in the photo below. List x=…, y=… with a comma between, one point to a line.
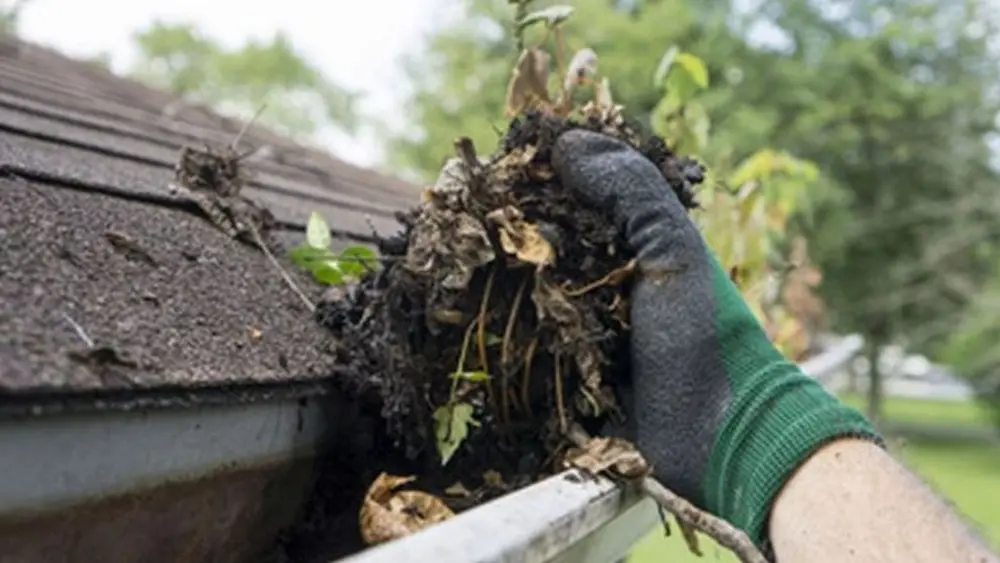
x=851, y=501
x=725, y=419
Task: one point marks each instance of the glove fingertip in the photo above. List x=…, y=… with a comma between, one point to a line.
x=580, y=144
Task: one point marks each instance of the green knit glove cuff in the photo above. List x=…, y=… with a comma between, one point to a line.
x=779, y=417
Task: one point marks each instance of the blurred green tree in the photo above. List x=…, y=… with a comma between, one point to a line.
x=899, y=109
x=972, y=348
x=10, y=14
x=299, y=98
x=893, y=99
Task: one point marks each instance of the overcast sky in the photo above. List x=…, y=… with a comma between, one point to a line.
x=355, y=42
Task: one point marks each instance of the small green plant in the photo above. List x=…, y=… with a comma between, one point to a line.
x=453, y=419
x=329, y=267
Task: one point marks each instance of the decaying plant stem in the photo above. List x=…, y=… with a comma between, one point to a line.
x=723, y=532
x=505, y=347
x=481, y=335
x=718, y=529
x=284, y=274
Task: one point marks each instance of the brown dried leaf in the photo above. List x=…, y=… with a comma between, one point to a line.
x=604, y=98
x=457, y=490
x=582, y=67
x=551, y=302
x=609, y=455
x=528, y=85
x=513, y=165
x=521, y=238
x=448, y=246
x=453, y=178
x=387, y=515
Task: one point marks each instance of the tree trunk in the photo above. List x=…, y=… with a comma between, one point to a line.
x=852, y=378
x=874, y=408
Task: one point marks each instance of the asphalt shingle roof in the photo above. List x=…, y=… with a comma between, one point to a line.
x=86, y=159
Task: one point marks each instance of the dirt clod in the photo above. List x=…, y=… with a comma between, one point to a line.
x=505, y=294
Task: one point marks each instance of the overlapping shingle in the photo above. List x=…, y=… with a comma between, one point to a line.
x=95, y=249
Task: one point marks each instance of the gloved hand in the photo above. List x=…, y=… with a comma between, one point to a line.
x=723, y=417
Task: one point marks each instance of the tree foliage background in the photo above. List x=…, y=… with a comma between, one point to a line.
x=299, y=98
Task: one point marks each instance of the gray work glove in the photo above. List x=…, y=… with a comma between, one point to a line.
x=723, y=417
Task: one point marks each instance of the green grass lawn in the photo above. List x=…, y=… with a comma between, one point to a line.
x=967, y=474
x=927, y=411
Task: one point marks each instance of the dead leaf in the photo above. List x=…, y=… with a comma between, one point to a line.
x=529, y=82
x=457, y=490
x=604, y=98
x=387, y=514
x=582, y=67
x=452, y=178
x=608, y=455
x=513, y=165
x=521, y=238
x=551, y=303
x=493, y=478
x=448, y=246
x=541, y=172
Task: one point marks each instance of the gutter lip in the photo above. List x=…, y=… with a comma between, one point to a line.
x=550, y=520
x=35, y=403
x=59, y=462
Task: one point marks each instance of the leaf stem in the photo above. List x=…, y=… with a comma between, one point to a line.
x=466, y=340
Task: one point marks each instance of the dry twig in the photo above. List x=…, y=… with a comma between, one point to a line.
x=723, y=532
x=281, y=270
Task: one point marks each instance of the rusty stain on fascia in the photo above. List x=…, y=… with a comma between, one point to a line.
x=210, y=483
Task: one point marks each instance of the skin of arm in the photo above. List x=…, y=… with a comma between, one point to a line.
x=851, y=501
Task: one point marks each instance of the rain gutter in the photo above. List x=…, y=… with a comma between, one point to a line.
x=565, y=518
x=196, y=483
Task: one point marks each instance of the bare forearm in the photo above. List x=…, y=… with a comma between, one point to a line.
x=851, y=501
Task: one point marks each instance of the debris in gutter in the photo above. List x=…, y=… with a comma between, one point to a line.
x=214, y=180
x=389, y=513
x=498, y=320
x=109, y=363
x=494, y=333
x=618, y=459
x=98, y=356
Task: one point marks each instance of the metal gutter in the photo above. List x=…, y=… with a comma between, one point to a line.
x=566, y=518
x=834, y=358
x=173, y=484
x=543, y=522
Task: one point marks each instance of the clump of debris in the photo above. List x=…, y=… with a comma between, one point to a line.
x=500, y=316
x=498, y=321
x=492, y=341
